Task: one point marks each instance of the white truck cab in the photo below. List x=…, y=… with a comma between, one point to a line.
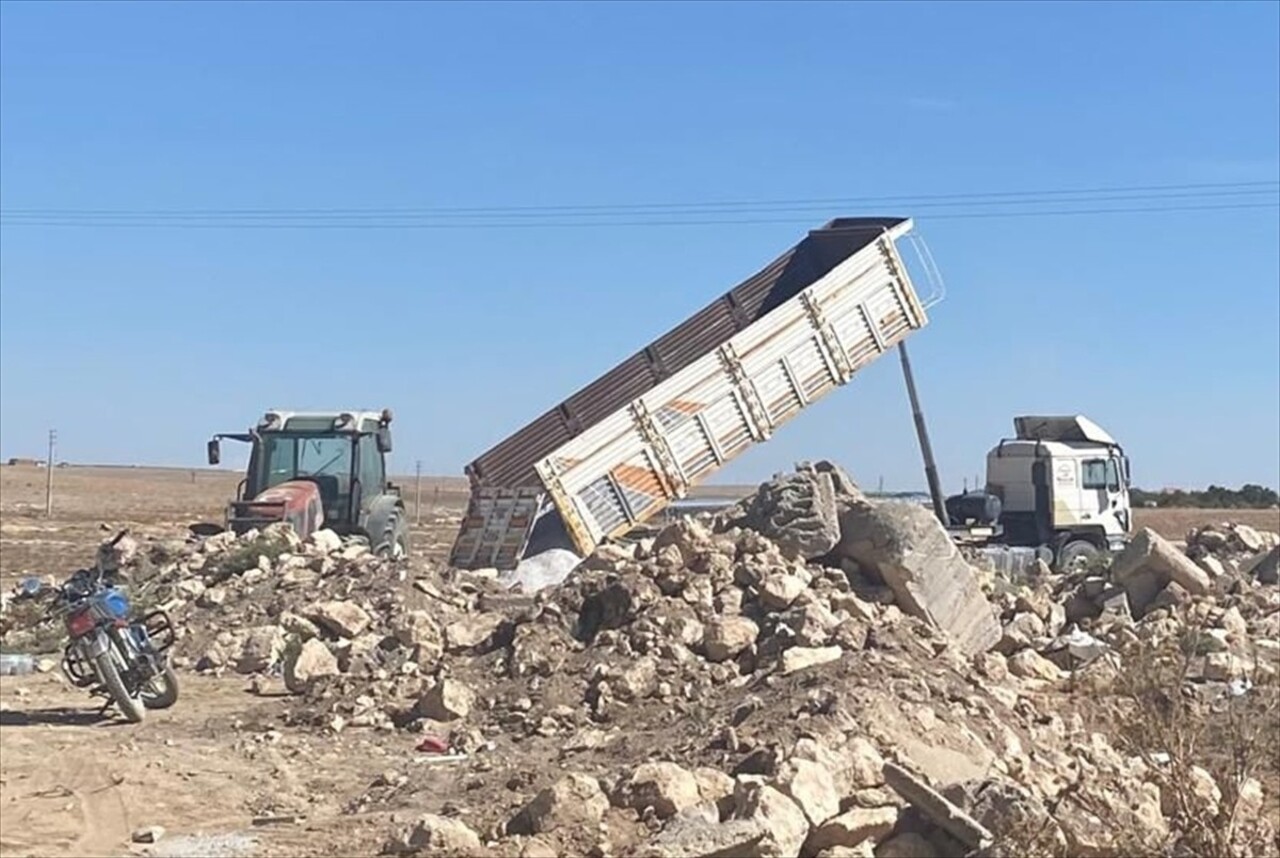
x=1061, y=484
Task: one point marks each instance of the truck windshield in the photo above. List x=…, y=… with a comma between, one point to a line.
x=288, y=457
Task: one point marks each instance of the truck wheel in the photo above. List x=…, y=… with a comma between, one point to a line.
x=1077, y=555
x=393, y=542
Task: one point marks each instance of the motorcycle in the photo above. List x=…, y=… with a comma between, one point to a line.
x=107, y=651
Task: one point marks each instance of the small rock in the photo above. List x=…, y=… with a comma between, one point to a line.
x=811, y=787
x=418, y=630
x=1030, y=664
x=440, y=835
x=312, y=661
x=852, y=828
x=262, y=648
x=345, y=619
x=1248, y=538
x=447, y=700
x=474, y=632
x=725, y=637
x=780, y=589
x=325, y=541
x=148, y=834
x=666, y=787
x=784, y=823
x=575, y=801
x=798, y=658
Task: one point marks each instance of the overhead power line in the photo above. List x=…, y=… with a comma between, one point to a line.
x=1222, y=196
x=976, y=197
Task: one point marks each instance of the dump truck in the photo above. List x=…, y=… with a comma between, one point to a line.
x=1057, y=490
x=614, y=454
x=319, y=470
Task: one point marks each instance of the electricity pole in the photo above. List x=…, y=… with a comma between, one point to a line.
x=417, y=493
x=48, y=476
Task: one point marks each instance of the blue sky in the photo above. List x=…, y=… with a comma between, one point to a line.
x=137, y=343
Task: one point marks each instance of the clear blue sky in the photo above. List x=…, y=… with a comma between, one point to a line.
x=137, y=343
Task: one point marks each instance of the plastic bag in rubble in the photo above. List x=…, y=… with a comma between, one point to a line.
x=1083, y=646
x=548, y=569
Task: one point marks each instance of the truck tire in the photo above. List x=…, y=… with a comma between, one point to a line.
x=393, y=542
x=1077, y=554
x=132, y=707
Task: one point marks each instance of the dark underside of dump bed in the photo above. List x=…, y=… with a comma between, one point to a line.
x=511, y=462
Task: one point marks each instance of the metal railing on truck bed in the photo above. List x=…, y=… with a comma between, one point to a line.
x=618, y=451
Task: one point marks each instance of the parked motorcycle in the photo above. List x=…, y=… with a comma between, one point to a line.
x=109, y=652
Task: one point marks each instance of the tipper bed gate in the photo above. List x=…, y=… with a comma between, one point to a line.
x=618, y=451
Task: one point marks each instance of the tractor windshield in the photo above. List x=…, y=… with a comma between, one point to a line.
x=289, y=457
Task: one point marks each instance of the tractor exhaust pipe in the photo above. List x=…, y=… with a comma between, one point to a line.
x=922, y=433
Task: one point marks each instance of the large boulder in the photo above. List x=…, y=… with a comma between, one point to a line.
x=910, y=550
x=797, y=511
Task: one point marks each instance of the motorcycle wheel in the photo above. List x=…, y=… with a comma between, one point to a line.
x=167, y=682
x=132, y=707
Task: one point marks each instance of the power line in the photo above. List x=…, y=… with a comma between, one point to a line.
x=1057, y=195
x=442, y=225
x=387, y=214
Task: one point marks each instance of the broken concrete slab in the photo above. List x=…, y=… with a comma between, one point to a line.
x=911, y=551
x=1150, y=559
x=942, y=812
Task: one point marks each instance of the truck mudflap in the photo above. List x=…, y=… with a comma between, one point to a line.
x=726, y=389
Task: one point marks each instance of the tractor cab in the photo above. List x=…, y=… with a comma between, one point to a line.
x=318, y=470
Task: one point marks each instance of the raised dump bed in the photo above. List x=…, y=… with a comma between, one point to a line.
x=618, y=451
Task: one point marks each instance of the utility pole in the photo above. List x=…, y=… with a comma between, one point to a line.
x=48, y=476
x=930, y=469
x=417, y=493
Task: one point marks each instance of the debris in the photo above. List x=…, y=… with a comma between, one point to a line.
x=852, y=828
x=574, y=801
x=725, y=637
x=439, y=835
x=1149, y=562
x=666, y=787
x=936, y=807
x=312, y=661
x=447, y=700
x=147, y=834
x=799, y=658
x=344, y=619
x=909, y=550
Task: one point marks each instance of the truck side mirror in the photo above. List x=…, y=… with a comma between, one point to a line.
x=215, y=451
x=384, y=439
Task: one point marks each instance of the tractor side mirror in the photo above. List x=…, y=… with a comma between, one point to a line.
x=215, y=451
x=384, y=439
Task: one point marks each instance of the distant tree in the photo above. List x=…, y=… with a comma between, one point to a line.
x=1248, y=496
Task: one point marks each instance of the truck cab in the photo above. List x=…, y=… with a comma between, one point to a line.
x=1061, y=484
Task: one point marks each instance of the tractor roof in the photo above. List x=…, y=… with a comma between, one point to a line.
x=356, y=419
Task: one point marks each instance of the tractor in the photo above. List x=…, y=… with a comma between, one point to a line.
x=319, y=470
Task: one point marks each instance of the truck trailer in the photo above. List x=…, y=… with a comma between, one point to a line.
x=617, y=452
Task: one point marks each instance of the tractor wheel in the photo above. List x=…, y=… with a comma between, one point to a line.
x=1077, y=555
x=393, y=542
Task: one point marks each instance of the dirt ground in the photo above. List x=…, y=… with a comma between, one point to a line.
x=74, y=783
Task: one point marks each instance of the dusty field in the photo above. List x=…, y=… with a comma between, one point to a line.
x=1174, y=523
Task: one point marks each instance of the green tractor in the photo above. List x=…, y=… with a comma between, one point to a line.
x=320, y=470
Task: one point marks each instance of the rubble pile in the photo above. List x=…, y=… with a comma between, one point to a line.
x=811, y=673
